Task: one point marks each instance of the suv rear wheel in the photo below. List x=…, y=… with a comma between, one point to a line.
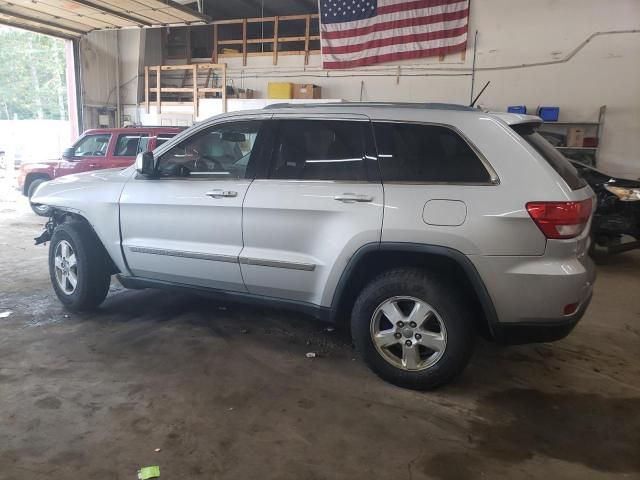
x=412, y=329
x=42, y=210
x=78, y=267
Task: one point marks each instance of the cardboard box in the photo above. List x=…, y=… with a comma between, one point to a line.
x=306, y=90
x=280, y=90
x=575, y=137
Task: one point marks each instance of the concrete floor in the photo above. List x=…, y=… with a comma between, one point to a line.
x=226, y=391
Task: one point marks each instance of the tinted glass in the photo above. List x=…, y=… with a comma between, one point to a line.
x=164, y=137
x=552, y=156
x=92, y=145
x=130, y=144
x=222, y=151
x=319, y=150
x=426, y=153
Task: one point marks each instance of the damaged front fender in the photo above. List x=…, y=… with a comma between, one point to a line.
x=49, y=227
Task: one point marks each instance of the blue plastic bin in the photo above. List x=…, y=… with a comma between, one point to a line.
x=549, y=114
x=517, y=109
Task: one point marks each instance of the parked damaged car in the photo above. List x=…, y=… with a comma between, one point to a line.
x=616, y=222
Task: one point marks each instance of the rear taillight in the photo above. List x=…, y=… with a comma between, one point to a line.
x=560, y=219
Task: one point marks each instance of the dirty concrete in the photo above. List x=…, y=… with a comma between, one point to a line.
x=227, y=391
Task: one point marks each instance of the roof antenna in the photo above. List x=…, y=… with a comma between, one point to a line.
x=481, y=92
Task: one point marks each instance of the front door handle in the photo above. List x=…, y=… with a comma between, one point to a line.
x=221, y=193
x=353, y=197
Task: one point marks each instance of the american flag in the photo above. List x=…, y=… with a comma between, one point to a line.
x=363, y=32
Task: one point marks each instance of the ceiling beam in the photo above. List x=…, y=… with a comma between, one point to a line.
x=114, y=13
x=195, y=13
x=19, y=16
x=35, y=29
x=144, y=8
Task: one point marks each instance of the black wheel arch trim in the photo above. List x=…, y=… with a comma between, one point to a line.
x=59, y=216
x=460, y=258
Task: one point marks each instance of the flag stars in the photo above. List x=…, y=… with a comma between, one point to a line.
x=337, y=11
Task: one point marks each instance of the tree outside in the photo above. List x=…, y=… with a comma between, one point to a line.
x=33, y=77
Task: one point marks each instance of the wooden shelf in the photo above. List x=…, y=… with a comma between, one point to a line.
x=197, y=91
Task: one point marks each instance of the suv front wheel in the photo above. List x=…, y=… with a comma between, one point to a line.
x=413, y=329
x=78, y=266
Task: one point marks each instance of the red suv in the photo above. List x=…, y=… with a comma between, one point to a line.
x=95, y=149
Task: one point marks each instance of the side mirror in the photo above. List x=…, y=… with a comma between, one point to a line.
x=68, y=152
x=145, y=164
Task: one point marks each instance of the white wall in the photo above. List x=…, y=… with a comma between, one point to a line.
x=513, y=35
x=108, y=57
x=98, y=57
x=605, y=71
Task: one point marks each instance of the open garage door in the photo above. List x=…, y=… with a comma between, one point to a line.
x=72, y=18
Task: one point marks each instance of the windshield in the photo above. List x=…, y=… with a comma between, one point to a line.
x=553, y=157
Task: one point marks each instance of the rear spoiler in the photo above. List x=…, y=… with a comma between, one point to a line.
x=526, y=127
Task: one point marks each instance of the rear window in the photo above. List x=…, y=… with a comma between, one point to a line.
x=319, y=150
x=553, y=157
x=163, y=138
x=426, y=154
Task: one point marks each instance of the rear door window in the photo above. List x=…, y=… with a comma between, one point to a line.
x=420, y=153
x=130, y=144
x=553, y=157
x=163, y=138
x=320, y=150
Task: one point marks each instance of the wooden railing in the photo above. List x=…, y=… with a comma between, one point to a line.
x=196, y=91
x=273, y=41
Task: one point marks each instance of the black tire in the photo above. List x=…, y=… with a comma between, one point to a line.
x=93, y=268
x=452, y=309
x=42, y=210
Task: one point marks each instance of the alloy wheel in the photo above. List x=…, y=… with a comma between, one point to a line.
x=66, y=267
x=408, y=333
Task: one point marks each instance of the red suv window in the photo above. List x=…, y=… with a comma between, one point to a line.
x=92, y=145
x=130, y=144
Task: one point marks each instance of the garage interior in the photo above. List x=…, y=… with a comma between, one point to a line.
x=213, y=389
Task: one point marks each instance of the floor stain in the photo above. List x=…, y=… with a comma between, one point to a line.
x=517, y=424
x=49, y=403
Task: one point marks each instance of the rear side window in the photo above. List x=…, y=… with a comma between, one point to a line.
x=553, y=157
x=130, y=144
x=163, y=138
x=426, y=154
x=319, y=150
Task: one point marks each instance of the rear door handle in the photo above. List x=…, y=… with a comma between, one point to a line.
x=353, y=197
x=221, y=193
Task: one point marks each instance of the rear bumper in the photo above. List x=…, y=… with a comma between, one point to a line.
x=536, y=332
x=530, y=295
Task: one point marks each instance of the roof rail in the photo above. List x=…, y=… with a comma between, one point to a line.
x=155, y=126
x=428, y=105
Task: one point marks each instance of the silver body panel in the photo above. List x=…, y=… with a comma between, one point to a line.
x=292, y=240
x=197, y=238
x=301, y=223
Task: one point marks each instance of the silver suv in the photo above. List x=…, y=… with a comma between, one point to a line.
x=418, y=225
